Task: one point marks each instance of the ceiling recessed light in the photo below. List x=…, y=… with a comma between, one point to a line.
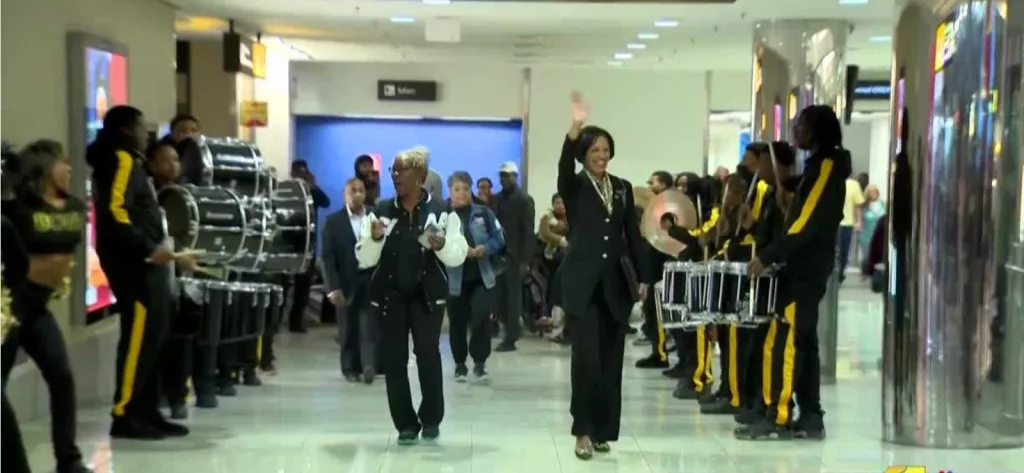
x=614, y=63
x=636, y=46
x=666, y=23
x=437, y=2
x=623, y=56
x=647, y=36
x=880, y=39
x=853, y=2
x=402, y=19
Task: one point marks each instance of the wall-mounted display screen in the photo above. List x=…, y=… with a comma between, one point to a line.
x=106, y=81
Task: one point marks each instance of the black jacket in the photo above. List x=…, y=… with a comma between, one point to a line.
x=129, y=221
x=599, y=241
x=515, y=211
x=807, y=247
x=341, y=269
x=399, y=257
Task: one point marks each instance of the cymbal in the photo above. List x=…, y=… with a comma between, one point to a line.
x=684, y=214
x=642, y=196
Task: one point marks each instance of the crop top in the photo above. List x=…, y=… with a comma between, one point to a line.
x=43, y=229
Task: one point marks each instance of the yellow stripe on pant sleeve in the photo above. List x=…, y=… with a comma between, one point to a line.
x=812, y=198
x=131, y=360
x=734, y=377
x=767, y=373
x=782, y=416
x=709, y=368
x=702, y=345
x=660, y=328
x=120, y=186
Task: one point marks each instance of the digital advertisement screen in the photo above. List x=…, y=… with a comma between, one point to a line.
x=106, y=81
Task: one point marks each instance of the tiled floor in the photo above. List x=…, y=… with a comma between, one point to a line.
x=306, y=420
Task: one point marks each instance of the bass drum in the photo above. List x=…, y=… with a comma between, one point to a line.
x=234, y=164
x=293, y=244
x=209, y=219
x=259, y=231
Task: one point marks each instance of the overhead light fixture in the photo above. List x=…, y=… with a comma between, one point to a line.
x=853, y=2
x=636, y=46
x=437, y=2
x=402, y=19
x=880, y=39
x=623, y=56
x=647, y=36
x=614, y=63
x=666, y=23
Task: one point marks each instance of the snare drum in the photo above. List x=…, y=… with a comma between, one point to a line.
x=215, y=297
x=247, y=312
x=758, y=305
x=728, y=287
x=210, y=219
x=234, y=164
x=292, y=246
x=685, y=295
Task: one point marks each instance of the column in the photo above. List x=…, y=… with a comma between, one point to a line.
x=799, y=63
x=952, y=370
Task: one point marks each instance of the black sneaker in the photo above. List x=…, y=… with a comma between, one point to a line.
x=652, y=362
x=368, y=375
x=764, y=430
x=504, y=347
x=250, y=378
x=720, y=406
x=685, y=390
x=748, y=416
x=480, y=376
x=130, y=428
x=170, y=429
x=227, y=390
x=431, y=433
x=461, y=373
x=179, y=411
x=675, y=372
x=810, y=426
x=206, y=401
x=709, y=397
x=408, y=438
x=76, y=467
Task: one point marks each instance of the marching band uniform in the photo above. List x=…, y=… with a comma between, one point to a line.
x=695, y=348
x=805, y=251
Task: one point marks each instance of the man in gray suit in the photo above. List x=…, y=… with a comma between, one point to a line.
x=346, y=283
x=515, y=211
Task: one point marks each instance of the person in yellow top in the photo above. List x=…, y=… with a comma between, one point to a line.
x=853, y=222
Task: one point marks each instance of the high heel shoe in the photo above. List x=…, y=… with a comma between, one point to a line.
x=602, y=447
x=585, y=451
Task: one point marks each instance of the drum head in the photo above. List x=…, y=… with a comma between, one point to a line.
x=182, y=215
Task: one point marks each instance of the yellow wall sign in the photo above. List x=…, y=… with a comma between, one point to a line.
x=906, y=469
x=253, y=114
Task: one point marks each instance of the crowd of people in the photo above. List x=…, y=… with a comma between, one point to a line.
x=395, y=267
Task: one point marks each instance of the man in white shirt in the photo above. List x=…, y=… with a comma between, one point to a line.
x=346, y=281
x=853, y=218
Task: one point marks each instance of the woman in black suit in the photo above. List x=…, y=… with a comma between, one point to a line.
x=601, y=263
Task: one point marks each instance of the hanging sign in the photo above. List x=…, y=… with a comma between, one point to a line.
x=253, y=114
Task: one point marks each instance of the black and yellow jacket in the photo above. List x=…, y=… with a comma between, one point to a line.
x=129, y=223
x=808, y=244
x=738, y=247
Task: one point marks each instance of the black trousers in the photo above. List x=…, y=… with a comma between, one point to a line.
x=399, y=315
x=793, y=348
x=40, y=336
x=300, y=286
x=752, y=366
x=144, y=304
x=652, y=328
x=15, y=460
x=695, y=352
x=598, y=345
x=468, y=316
x=510, y=302
x=358, y=334
x=736, y=344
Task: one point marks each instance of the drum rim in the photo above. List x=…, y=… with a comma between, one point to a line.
x=265, y=236
x=193, y=210
x=194, y=207
x=307, y=198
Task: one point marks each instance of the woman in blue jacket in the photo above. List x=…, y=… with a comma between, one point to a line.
x=471, y=285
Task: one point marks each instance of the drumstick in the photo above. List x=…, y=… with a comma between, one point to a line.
x=179, y=254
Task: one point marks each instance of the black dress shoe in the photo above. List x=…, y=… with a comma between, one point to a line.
x=250, y=378
x=131, y=428
x=505, y=347
x=684, y=390
x=206, y=401
x=430, y=433
x=227, y=390
x=675, y=372
x=169, y=429
x=810, y=426
x=709, y=397
x=368, y=375
x=720, y=406
x=179, y=411
x=652, y=362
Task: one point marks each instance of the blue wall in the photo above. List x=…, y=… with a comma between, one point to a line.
x=331, y=144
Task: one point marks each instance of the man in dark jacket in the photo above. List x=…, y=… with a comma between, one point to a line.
x=129, y=243
x=654, y=334
x=411, y=240
x=301, y=283
x=346, y=282
x=370, y=176
x=515, y=211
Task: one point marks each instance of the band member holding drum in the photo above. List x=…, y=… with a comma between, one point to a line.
x=695, y=348
x=472, y=285
x=129, y=238
x=604, y=273
x=412, y=239
x=48, y=222
x=807, y=251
